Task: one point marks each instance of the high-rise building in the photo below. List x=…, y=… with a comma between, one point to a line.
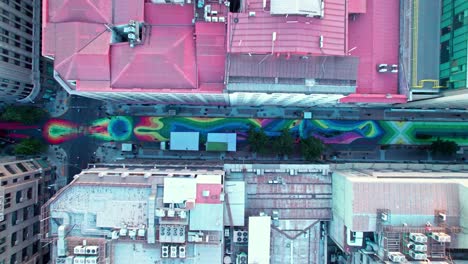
x=452, y=87
x=23, y=190
x=20, y=51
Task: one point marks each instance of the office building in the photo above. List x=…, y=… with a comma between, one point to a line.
x=452, y=88
x=24, y=188
x=20, y=77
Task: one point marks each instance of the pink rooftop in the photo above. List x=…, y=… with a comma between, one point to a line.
x=171, y=59
x=179, y=56
x=294, y=34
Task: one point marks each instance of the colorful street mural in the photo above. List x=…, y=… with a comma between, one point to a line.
x=156, y=129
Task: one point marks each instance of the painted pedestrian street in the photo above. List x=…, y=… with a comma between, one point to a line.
x=156, y=129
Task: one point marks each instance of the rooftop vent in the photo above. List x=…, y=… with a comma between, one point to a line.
x=131, y=33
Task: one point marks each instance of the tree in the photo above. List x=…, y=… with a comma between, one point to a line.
x=312, y=148
x=23, y=114
x=29, y=146
x=444, y=147
x=257, y=139
x=284, y=144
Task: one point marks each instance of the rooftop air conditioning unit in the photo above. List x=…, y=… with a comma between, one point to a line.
x=417, y=255
x=141, y=232
x=241, y=258
x=384, y=217
x=132, y=233
x=183, y=214
x=164, y=251
x=394, y=68
x=181, y=251
x=417, y=247
x=321, y=41
x=241, y=236
x=382, y=68
x=92, y=250
x=123, y=232
x=78, y=250
x=92, y=260
x=173, y=251
x=160, y=213
x=170, y=213
x=418, y=237
x=441, y=237
x=79, y=260
x=115, y=235
x=396, y=257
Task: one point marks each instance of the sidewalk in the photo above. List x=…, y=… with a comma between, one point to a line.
x=112, y=153
x=59, y=104
x=344, y=112
x=58, y=157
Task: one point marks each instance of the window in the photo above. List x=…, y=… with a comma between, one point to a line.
x=19, y=165
x=13, y=258
x=2, y=240
x=14, y=217
x=4, y=183
x=25, y=213
x=9, y=168
x=19, y=195
x=27, y=177
x=29, y=194
x=13, y=240
x=3, y=227
x=15, y=180
x=25, y=235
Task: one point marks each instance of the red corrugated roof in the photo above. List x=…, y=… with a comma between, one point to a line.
x=211, y=51
x=97, y=11
x=168, y=14
x=294, y=34
x=167, y=60
x=90, y=49
x=374, y=38
x=357, y=6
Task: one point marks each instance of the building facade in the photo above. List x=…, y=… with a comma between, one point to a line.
x=20, y=51
x=22, y=192
x=453, y=71
x=454, y=44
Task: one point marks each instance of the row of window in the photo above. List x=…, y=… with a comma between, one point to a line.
x=23, y=7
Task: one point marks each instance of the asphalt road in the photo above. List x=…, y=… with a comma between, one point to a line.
x=428, y=57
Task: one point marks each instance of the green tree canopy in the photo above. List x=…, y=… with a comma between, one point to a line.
x=258, y=140
x=312, y=148
x=284, y=144
x=29, y=146
x=23, y=114
x=444, y=147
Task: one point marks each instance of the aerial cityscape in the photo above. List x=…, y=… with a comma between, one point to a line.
x=233, y=131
